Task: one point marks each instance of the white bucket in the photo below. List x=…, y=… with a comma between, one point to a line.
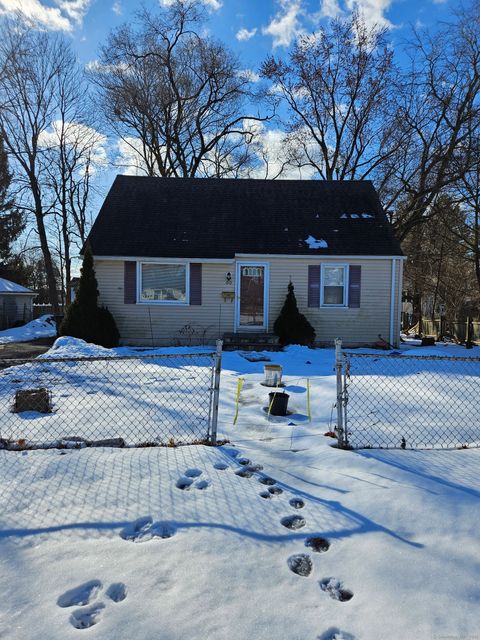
x=273, y=375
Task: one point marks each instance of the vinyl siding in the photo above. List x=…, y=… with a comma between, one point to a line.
x=354, y=326
x=142, y=324
x=147, y=324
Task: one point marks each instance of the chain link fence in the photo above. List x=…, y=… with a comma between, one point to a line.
x=118, y=401
x=410, y=401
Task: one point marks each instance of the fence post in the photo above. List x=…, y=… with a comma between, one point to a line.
x=338, y=370
x=216, y=391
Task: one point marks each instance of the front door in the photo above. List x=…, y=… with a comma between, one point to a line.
x=251, y=296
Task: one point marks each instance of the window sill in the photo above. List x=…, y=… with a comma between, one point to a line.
x=165, y=303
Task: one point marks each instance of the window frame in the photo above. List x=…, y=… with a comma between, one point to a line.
x=345, y=268
x=140, y=300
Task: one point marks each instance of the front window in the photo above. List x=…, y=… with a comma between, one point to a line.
x=163, y=283
x=334, y=280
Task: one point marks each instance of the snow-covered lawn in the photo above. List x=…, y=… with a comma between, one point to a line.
x=139, y=399
x=177, y=543
x=43, y=327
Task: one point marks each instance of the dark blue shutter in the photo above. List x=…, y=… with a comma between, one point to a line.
x=130, y=282
x=354, y=286
x=314, y=285
x=196, y=283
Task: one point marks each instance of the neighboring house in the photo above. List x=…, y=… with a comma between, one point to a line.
x=189, y=259
x=15, y=304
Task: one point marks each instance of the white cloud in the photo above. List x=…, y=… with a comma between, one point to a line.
x=245, y=34
x=329, y=9
x=213, y=4
x=285, y=25
x=117, y=8
x=130, y=157
x=373, y=11
x=249, y=75
x=75, y=10
x=63, y=17
x=87, y=141
x=269, y=145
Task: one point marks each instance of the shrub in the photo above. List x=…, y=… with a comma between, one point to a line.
x=291, y=326
x=84, y=318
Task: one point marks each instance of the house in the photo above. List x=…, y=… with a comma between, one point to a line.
x=182, y=260
x=16, y=304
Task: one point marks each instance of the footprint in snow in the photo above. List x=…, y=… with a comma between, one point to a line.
x=221, y=466
x=184, y=483
x=301, y=564
x=243, y=461
x=293, y=522
x=335, y=589
x=244, y=473
x=81, y=595
x=296, y=503
x=317, y=544
x=335, y=634
x=86, y=618
x=275, y=491
x=117, y=592
x=144, y=529
x=202, y=485
x=267, y=480
x=193, y=473
x=265, y=494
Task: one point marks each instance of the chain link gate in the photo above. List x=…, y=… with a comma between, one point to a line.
x=408, y=402
x=144, y=400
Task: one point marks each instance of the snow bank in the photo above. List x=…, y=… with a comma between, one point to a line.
x=43, y=327
x=68, y=347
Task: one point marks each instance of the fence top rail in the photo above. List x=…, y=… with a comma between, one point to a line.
x=160, y=356
x=405, y=356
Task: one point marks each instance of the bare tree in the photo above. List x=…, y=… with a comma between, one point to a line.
x=30, y=63
x=175, y=97
x=337, y=86
x=439, y=268
x=468, y=193
x=44, y=126
x=70, y=162
x=439, y=106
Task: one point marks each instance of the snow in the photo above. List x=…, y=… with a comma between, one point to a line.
x=313, y=243
x=174, y=543
x=43, y=327
x=68, y=347
x=7, y=286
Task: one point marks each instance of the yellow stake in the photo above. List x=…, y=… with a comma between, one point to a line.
x=239, y=391
x=308, y=401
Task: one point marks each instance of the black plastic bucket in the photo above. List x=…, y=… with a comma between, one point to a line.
x=278, y=403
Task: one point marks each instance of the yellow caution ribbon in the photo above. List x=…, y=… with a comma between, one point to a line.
x=239, y=391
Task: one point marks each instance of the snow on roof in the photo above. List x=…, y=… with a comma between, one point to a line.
x=313, y=243
x=7, y=286
x=357, y=215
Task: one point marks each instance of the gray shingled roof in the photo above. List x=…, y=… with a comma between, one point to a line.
x=213, y=218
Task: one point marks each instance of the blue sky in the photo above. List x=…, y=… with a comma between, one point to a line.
x=253, y=28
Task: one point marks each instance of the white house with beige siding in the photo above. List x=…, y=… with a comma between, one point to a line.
x=184, y=261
